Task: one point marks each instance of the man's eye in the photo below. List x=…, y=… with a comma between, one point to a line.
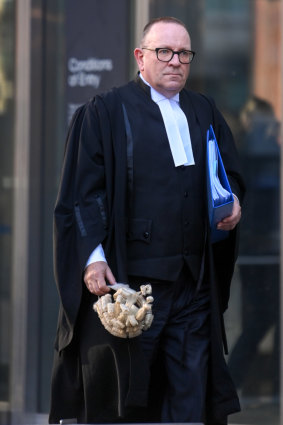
x=164, y=51
x=185, y=54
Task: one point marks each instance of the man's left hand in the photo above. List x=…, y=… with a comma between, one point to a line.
x=229, y=223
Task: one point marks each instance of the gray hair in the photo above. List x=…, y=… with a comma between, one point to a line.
x=165, y=19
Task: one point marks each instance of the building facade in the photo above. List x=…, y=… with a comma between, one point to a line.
x=54, y=56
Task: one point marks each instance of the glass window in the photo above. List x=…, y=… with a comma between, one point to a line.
x=254, y=331
x=6, y=186
x=53, y=133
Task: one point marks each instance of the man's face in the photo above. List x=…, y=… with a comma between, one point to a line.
x=167, y=78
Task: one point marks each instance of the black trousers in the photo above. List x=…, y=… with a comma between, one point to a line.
x=175, y=349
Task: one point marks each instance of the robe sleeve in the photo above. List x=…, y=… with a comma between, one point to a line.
x=80, y=216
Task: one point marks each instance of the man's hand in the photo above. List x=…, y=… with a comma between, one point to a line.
x=95, y=277
x=229, y=223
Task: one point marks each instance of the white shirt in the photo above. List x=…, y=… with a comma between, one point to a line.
x=176, y=126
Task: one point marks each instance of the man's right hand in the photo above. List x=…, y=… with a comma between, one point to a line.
x=95, y=277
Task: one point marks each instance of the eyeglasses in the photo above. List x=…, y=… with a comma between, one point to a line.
x=165, y=54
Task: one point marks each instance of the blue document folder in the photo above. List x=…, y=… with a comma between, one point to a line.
x=220, y=197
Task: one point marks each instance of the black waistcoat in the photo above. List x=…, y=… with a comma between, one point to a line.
x=166, y=203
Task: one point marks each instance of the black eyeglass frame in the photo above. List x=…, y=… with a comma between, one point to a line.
x=173, y=53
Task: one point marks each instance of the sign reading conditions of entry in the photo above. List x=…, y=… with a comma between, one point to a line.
x=97, y=49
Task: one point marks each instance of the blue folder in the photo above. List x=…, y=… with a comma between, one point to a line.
x=220, y=197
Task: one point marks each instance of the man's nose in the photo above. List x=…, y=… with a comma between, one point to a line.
x=175, y=59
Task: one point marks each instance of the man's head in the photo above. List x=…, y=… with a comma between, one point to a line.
x=169, y=76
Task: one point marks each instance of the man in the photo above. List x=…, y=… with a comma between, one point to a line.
x=132, y=208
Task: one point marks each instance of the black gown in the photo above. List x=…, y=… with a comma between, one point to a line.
x=90, y=207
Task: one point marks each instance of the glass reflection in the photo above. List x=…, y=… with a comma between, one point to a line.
x=257, y=348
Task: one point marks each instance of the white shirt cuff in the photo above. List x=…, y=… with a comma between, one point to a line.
x=96, y=255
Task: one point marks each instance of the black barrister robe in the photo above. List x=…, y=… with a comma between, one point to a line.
x=91, y=208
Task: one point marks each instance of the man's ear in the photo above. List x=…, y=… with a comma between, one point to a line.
x=139, y=58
